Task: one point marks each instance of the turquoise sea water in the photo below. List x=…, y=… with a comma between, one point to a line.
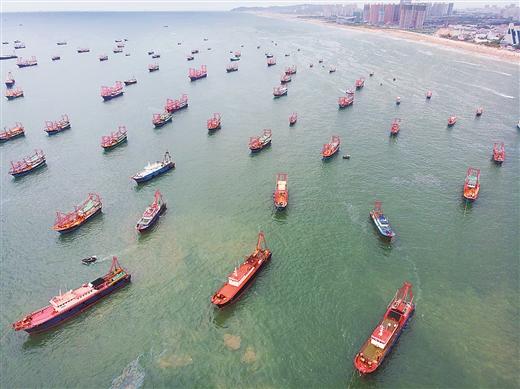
x=330, y=279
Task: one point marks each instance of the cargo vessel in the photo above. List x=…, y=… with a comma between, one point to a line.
x=360, y=83
x=196, y=74
x=173, y=105
x=257, y=143
x=152, y=213
x=160, y=119
x=52, y=128
x=27, y=164
x=12, y=133
x=285, y=78
x=111, y=92
x=66, y=222
x=154, y=169
x=330, y=149
x=281, y=192
x=345, y=101
x=108, y=142
x=381, y=222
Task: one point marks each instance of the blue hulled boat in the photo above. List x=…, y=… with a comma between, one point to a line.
x=154, y=169
x=381, y=222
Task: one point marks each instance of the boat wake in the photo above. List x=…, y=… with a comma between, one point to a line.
x=492, y=91
x=428, y=53
x=131, y=378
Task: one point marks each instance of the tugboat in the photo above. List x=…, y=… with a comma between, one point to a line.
x=330, y=149
x=360, y=83
x=67, y=305
x=232, y=67
x=12, y=133
x=114, y=139
x=472, y=184
x=397, y=100
x=9, y=81
x=23, y=63
x=52, y=128
x=345, y=101
x=12, y=94
x=279, y=91
x=281, y=193
x=214, y=122
x=499, y=152
x=176, y=105
x=257, y=143
x=479, y=111
x=381, y=222
x=111, y=92
x=103, y=57
x=130, y=81
x=241, y=276
x=332, y=69
x=429, y=94
x=153, y=67
x=385, y=335
x=195, y=74
x=190, y=57
x=271, y=61
x=452, y=120
x=152, y=213
x=154, y=169
x=83, y=50
x=290, y=70
x=160, y=119
x=55, y=58
x=293, y=118
x=396, y=126
x=285, y=78
x=27, y=164
x=66, y=222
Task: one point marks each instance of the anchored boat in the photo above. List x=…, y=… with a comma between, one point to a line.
x=293, y=118
x=103, y=57
x=279, y=91
x=429, y=94
x=160, y=119
x=23, y=63
x=52, y=128
x=332, y=69
x=271, y=61
x=190, y=57
x=156, y=55
x=66, y=222
x=27, y=164
x=12, y=94
x=12, y=133
x=241, y=276
x=114, y=139
x=330, y=149
x=176, y=105
x=499, y=152
x=290, y=70
x=345, y=101
x=154, y=169
x=152, y=213
x=385, y=335
x=83, y=50
x=195, y=74
x=232, y=67
x=116, y=50
x=360, y=83
x=285, y=78
x=398, y=100
x=130, y=81
x=111, y=92
x=9, y=81
x=55, y=58
x=479, y=111
x=214, y=122
x=257, y=143
x=281, y=192
x=451, y=121
x=153, y=67
x=396, y=126
x=472, y=184
x=67, y=305
x=381, y=222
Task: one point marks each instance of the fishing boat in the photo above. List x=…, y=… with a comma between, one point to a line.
x=360, y=83
x=117, y=50
x=429, y=94
x=232, y=67
x=9, y=81
x=396, y=126
x=8, y=56
x=387, y=332
x=89, y=260
x=472, y=184
x=156, y=55
x=257, y=143
x=381, y=222
x=67, y=305
x=52, y=128
x=345, y=101
x=279, y=91
x=330, y=149
x=177, y=104
x=293, y=118
x=83, y=50
x=113, y=140
x=268, y=55
x=23, y=63
x=130, y=81
x=238, y=54
x=55, y=58
x=213, y=123
x=398, y=100
x=19, y=45
x=160, y=119
x=479, y=111
x=452, y=120
x=27, y=164
x=150, y=52
x=245, y=273
x=152, y=213
x=153, y=67
x=12, y=133
x=285, y=78
x=499, y=152
x=195, y=74
x=332, y=69
x=154, y=169
x=190, y=57
x=66, y=222
x=290, y=70
x=103, y=57
x=12, y=94
x=111, y=92
x=195, y=51
x=281, y=192
x=271, y=61
x=61, y=43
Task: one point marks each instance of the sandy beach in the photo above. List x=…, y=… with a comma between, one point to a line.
x=466, y=47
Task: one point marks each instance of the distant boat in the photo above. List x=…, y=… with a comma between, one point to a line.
x=173, y=105
x=194, y=51
x=279, y=91
x=479, y=111
x=429, y=94
x=117, y=50
x=103, y=57
x=332, y=69
x=290, y=70
x=154, y=169
x=330, y=149
x=12, y=133
x=381, y=222
x=23, y=63
x=345, y=101
x=281, y=192
x=130, y=81
x=27, y=164
x=214, y=123
x=451, y=121
x=285, y=78
x=232, y=68
x=293, y=118
x=19, y=45
x=499, y=152
x=156, y=55
x=396, y=126
x=9, y=81
x=190, y=57
x=89, y=260
x=153, y=67
x=61, y=43
x=196, y=74
x=12, y=94
x=115, y=139
x=152, y=213
x=55, y=58
x=111, y=92
x=234, y=58
x=150, y=52
x=66, y=222
x=472, y=184
x=257, y=143
x=83, y=50
x=271, y=61
x=52, y=128
x=8, y=56
x=160, y=119
x=360, y=83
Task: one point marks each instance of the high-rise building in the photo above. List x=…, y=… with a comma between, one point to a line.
x=366, y=12
x=412, y=16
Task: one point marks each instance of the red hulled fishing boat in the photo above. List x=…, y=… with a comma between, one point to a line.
x=175, y=105
x=110, y=92
x=271, y=61
x=452, y=120
x=472, y=184
x=293, y=118
x=241, y=276
x=195, y=74
x=345, y=101
x=153, y=67
x=28, y=164
x=281, y=192
x=386, y=334
x=290, y=70
x=113, y=140
x=66, y=222
x=232, y=67
x=214, y=122
x=360, y=83
x=257, y=143
x=52, y=128
x=12, y=94
x=67, y=305
x=9, y=81
x=479, y=111
x=12, y=133
x=23, y=63
x=330, y=149
x=152, y=213
x=396, y=126
x=499, y=152
x=279, y=91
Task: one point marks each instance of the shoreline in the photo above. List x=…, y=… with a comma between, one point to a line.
x=430, y=40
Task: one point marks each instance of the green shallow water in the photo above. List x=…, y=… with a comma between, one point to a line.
x=330, y=278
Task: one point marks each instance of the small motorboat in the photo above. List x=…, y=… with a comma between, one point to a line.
x=332, y=69
x=452, y=120
x=103, y=57
x=55, y=58
x=371, y=74
x=89, y=260
x=190, y=57
x=153, y=67
x=346, y=156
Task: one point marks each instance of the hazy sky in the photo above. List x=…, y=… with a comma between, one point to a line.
x=188, y=5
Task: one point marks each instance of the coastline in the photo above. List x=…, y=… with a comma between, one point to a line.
x=465, y=47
